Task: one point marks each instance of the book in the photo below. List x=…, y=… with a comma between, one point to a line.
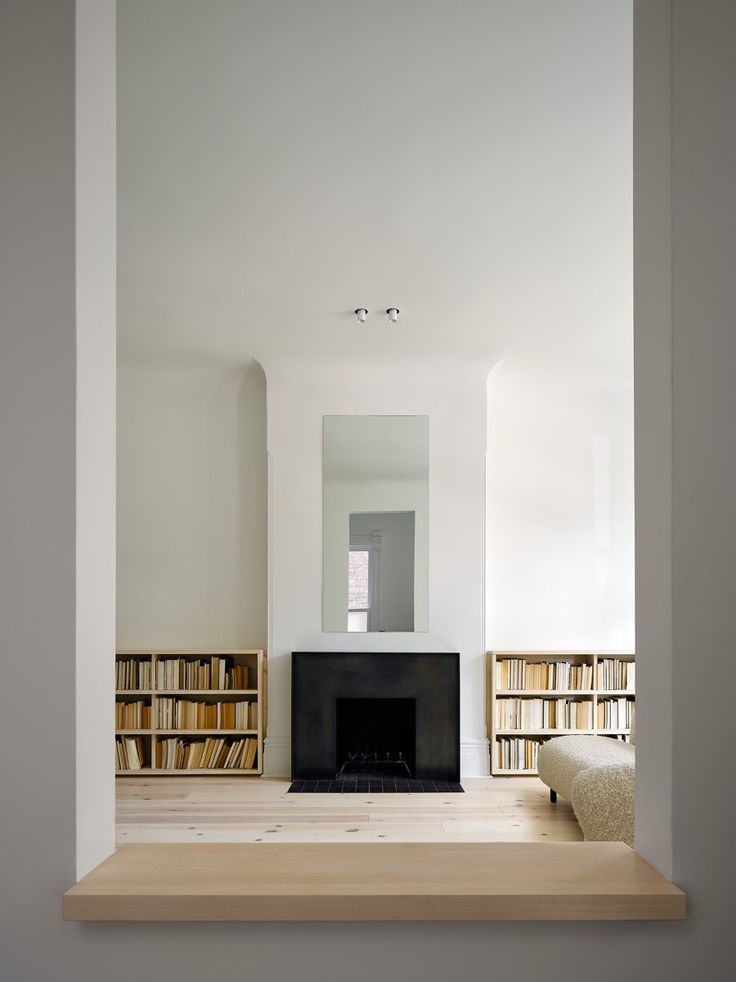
x=616, y=674
x=132, y=674
x=208, y=753
x=175, y=713
x=132, y=715
x=214, y=673
x=517, y=753
x=518, y=674
x=615, y=714
x=544, y=714
x=129, y=753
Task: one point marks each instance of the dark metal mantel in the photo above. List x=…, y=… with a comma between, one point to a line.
x=319, y=678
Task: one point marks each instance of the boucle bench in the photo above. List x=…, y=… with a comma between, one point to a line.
x=596, y=774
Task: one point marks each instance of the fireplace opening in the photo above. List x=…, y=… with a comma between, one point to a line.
x=375, y=737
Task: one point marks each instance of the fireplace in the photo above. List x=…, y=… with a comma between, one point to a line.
x=375, y=736
x=375, y=714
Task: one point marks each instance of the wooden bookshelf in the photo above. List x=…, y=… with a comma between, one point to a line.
x=600, y=667
x=150, y=668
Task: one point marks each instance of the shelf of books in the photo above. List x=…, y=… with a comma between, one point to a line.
x=533, y=696
x=190, y=712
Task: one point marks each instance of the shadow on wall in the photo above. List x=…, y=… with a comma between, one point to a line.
x=191, y=506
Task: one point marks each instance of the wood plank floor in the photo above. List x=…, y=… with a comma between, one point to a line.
x=236, y=809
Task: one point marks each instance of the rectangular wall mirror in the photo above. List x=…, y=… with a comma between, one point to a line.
x=375, y=549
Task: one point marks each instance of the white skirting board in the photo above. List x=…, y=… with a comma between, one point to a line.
x=277, y=756
x=475, y=759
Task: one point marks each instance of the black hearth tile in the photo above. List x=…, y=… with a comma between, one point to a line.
x=385, y=785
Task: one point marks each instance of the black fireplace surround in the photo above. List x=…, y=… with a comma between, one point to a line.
x=415, y=690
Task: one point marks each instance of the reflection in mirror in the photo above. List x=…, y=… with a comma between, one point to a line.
x=375, y=523
x=381, y=572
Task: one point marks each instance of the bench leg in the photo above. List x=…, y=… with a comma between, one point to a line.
x=552, y=796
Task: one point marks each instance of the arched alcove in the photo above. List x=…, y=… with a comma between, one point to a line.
x=559, y=507
x=191, y=505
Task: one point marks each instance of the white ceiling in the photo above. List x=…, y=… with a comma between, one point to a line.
x=282, y=162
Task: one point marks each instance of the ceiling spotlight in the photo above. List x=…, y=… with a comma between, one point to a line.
x=361, y=313
x=393, y=314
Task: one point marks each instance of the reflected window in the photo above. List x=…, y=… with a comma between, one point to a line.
x=358, y=589
x=364, y=580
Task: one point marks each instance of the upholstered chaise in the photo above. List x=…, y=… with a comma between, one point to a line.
x=596, y=774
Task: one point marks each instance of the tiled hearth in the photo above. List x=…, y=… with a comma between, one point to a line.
x=375, y=784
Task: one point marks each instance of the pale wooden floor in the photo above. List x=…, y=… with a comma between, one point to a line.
x=232, y=809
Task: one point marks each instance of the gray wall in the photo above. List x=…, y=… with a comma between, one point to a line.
x=37, y=562
x=37, y=480
x=704, y=462
x=653, y=426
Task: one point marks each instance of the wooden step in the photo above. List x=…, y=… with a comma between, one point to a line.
x=374, y=881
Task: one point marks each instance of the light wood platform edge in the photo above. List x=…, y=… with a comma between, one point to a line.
x=374, y=882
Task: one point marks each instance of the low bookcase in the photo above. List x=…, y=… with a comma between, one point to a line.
x=175, y=707
x=534, y=695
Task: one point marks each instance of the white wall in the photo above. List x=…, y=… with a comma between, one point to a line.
x=95, y=422
x=560, y=508
x=453, y=397
x=192, y=526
